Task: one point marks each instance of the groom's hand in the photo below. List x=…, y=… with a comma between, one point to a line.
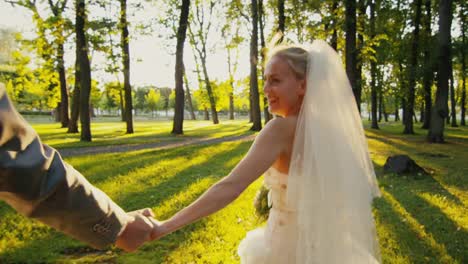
x=137, y=231
x=159, y=230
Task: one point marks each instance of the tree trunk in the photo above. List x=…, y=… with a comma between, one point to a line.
x=122, y=105
x=56, y=113
x=91, y=110
x=412, y=72
x=266, y=113
x=126, y=66
x=374, y=118
x=202, y=37
x=440, y=110
x=360, y=43
x=231, y=106
x=210, y=93
x=421, y=117
x=63, y=87
x=177, y=127
x=403, y=110
x=380, y=107
x=463, y=69
x=281, y=20
x=453, y=102
x=231, y=83
x=199, y=78
x=447, y=120
x=334, y=39
x=397, y=112
x=75, y=105
x=207, y=114
x=374, y=123
x=57, y=10
x=257, y=122
x=428, y=68
x=85, y=70
x=189, y=97
x=384, y=111
x=250, y=108
x=351, y=69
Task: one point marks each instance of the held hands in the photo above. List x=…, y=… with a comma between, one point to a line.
x=137, y=231
x=141, y=228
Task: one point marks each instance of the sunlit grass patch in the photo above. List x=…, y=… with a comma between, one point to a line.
x=145, y=131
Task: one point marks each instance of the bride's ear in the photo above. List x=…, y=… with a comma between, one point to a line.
x=302, y=88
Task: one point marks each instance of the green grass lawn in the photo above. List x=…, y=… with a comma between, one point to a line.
x=418, y=220
x=109, y=131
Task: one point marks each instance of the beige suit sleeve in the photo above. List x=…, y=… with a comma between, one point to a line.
x=36, y=182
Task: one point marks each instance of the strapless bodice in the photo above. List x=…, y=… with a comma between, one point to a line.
x=277, y=182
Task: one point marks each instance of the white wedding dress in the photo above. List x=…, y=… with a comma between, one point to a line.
x=274, y=243
x=322, y=211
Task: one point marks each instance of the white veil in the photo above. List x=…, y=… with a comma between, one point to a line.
x=331, y=180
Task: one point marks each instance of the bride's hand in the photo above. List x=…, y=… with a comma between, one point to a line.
x=159, y=228
x=137, y=230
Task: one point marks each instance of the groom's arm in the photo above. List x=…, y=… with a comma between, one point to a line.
x=36, y=182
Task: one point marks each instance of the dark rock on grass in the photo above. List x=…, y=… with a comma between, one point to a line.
x=403, y=165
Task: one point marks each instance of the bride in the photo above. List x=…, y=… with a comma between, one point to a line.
x=316, y=164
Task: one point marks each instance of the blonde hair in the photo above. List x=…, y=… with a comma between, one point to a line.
x=295, y=56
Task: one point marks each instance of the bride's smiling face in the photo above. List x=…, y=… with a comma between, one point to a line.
x=283, y=89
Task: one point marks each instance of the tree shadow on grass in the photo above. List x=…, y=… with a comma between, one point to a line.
x=56, y=247
x=446, y=232
x=404, y=235
x=433, y=157
x=154, y=195
x=105, y=167
x=405, y=190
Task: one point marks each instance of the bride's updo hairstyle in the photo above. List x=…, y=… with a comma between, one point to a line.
x=295, y=56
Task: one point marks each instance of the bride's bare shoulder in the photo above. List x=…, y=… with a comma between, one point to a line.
x=282, y=126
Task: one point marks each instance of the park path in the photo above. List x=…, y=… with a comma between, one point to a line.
x=71, y=152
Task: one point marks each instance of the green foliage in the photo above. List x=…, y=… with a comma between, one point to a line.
x=172, y=99
x=242, y=95
x=201, y=97
x=96, y=95
x=153, y=100
x=140, y=98
x=112, y=95
x=33, y=88
x=221, y=91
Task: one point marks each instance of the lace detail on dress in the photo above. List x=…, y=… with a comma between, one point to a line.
x=277, y=182
x=273, y=243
